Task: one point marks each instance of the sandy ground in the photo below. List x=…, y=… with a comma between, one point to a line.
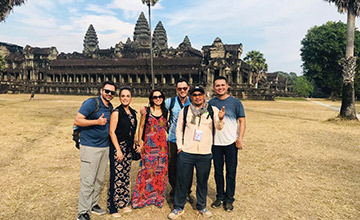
x=298, y=163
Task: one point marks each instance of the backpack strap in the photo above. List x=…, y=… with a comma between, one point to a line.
x=186, y=109
x=97, y=105
x=146, y=121
x=211, y=114
x=172, y=104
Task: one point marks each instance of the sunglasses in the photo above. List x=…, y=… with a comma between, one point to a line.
x=157, y=97
x=197, y=94
x=109, y=92
x=182, y=88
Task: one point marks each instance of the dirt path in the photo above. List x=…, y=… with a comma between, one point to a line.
x=330, y=106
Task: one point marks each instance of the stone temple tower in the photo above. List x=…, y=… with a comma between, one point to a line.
x=142, y=33
x=185, y=44
x=91, y=43
x=160, y=38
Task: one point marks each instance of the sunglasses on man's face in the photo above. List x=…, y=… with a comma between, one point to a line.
x=182, y=88
x=157, y=97
x=109, y=92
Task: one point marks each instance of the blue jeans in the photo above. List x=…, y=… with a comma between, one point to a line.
x=227, y=154
x=185, y=168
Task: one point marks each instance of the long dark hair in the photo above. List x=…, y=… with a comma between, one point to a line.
x=162, y=106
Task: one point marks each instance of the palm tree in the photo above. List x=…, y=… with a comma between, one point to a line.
x=7, y=5
x=150, y=3
x=352, y=7
x=257, y=63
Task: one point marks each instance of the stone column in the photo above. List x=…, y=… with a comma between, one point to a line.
x=239, y=78
x=163, y=79
x=250, y=78
x=138, y=79
x=172, y=79
x=208, y=76
x=129, y=78
x=190, y=79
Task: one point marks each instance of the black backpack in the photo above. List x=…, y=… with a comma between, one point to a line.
x=77, y=130
x=211, y=114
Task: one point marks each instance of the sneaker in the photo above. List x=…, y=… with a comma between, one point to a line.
x=84, y=216
x=175, y=213
x=228, y=207
x=189, y=199
x=126, y=209
x=205, y=213
x=116, y=215
x=97, y=210
x=217, y=204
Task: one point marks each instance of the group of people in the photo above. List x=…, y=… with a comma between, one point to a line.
x=198, y=132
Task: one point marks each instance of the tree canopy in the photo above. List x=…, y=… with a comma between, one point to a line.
x=152, y=2
x=303, y=87
x=7, y=5
x=343, y=5
x=256, y=61
x=321, y=53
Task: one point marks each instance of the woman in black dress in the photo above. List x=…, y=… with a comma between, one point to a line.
x=122, y=132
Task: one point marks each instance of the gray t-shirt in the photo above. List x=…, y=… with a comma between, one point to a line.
x=233, y=111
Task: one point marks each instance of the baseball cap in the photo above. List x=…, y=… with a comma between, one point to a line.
x=196, y=89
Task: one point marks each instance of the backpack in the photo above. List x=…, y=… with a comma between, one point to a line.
x=211, y=114
x=77, y=130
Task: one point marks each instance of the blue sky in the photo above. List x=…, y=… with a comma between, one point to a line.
x=274, y=27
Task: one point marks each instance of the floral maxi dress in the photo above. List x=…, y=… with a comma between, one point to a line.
x=152, y=177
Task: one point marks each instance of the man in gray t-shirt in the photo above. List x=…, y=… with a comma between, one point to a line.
x=226, y=143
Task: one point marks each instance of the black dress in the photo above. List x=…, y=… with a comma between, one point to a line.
x=119, y=189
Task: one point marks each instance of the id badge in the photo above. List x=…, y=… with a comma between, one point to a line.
x=197, y=135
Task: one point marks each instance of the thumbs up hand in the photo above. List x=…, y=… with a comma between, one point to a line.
x=222, y=113
x=101, y=120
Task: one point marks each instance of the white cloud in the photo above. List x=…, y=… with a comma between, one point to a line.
x=98, y=9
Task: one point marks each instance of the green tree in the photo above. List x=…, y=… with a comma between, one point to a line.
x=256, y=61
x=6, y=6
x=322, y=50
x=352, y=8
x=150, y=3
x=303, y=87
x=292, y=75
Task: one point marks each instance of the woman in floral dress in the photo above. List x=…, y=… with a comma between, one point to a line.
x=152, y=177
x=122, y=133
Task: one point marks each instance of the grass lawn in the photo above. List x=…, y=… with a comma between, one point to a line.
x=296, y=164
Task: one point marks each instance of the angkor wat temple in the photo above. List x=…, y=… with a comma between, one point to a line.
x=44, y=70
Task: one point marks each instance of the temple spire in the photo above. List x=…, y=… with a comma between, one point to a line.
x=159, y=37
x=91, y=43
x=142, y=32
x=185, y=44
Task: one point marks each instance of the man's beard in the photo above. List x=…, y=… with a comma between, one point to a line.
x=106, y=99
